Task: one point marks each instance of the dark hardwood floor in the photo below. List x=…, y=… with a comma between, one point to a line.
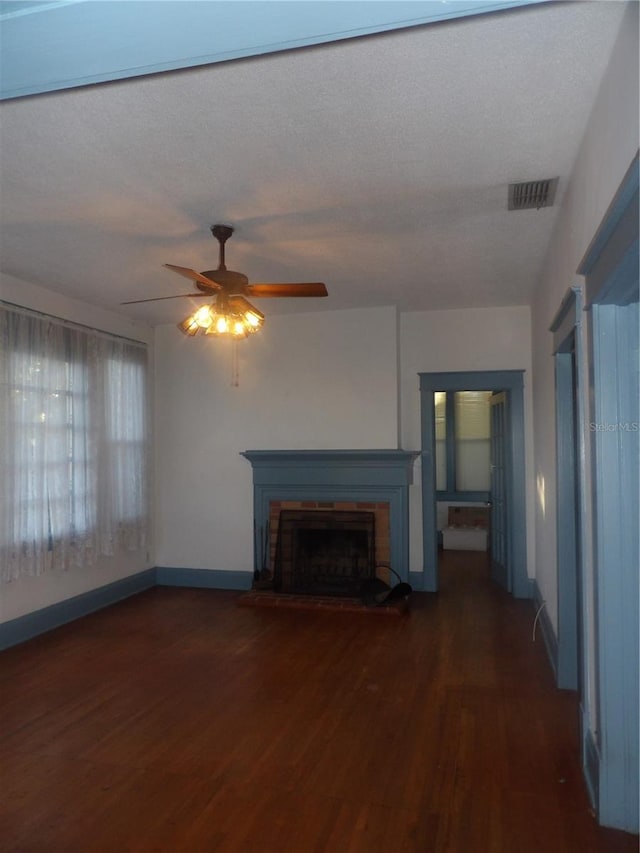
x=178, y=722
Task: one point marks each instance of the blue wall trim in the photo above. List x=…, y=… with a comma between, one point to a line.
x=203, y=578
x=342, y=467
x=416, y=581
x=621, y=206
x=40, y=621
x=31, y=624
x=545, y=628
x=590, y=764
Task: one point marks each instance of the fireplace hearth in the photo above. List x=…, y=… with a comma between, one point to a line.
x=324, y=552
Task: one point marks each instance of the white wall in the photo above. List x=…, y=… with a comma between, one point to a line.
x=27, y=594
x=322, y=380
x=327, y=380
x=461, y=340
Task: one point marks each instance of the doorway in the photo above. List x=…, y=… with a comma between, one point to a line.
x=508, y=393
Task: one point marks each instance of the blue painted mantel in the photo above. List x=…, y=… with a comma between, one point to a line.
x=338, y=475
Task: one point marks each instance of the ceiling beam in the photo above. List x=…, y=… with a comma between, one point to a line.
x=49, y=46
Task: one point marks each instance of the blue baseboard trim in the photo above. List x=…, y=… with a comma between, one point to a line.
x=416, y=581
x=590, y=764
x=31, y=624
x=203, y=578
x=545, y=628
x=40, y=621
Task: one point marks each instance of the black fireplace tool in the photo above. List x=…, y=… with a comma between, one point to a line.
x=262, y=577
x=378, y=593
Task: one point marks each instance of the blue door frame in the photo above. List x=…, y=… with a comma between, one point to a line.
x=610, y=267
x=571, y=512
x=500, y=532
x=512, y=382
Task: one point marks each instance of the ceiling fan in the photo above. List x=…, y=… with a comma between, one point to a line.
x=231, y=313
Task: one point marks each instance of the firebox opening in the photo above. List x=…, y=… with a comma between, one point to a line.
x=324, y=552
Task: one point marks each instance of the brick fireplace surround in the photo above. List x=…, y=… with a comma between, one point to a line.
x=371, y=480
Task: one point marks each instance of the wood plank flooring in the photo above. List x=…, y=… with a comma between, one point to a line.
x=178, y=722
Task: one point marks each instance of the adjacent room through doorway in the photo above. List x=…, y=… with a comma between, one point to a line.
x=473, y=472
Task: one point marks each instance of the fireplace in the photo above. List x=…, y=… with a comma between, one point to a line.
x=324, y=552
x=334, y=481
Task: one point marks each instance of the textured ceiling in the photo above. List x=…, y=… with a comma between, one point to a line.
x=378, y=165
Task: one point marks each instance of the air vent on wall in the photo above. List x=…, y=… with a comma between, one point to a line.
x=532, y=194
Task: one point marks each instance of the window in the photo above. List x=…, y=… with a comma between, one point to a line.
x=472, y=423
x=463, y=439
x=127, y=435
x=73, y=444
x=48, y=404
x=441, y=440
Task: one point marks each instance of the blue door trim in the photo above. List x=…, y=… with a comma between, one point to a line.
x=566, y=545
x=570, y=493
x=501, y=550
x=611, y=270
x=511, y=381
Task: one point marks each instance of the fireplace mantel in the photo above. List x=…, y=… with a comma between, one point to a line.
x=338, y=475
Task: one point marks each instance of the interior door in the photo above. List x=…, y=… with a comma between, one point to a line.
x=500, y=554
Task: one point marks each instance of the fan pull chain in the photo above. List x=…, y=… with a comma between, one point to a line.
x=235, y=365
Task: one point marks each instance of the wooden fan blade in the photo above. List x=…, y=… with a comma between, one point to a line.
x=193, y=275
x=159, y=298
x=306, y=288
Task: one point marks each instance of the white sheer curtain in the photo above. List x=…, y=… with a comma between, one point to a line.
x=123, y=475
x=73, y=445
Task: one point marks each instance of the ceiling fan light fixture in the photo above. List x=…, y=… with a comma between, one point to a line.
x=232, y=317
x=203, y=317
x=189, y=326
x=251, y=317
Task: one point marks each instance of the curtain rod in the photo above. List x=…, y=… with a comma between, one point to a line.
x=70, y=323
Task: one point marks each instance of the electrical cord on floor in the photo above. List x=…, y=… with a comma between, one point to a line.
x=535, y=621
